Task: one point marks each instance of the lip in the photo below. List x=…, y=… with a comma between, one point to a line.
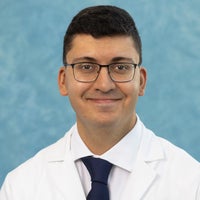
x=103, y=100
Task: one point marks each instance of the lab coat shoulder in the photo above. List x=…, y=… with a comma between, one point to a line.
x=181, y=169
x=36, y=174
x=177, y=174
x=182, y=164
x=37, y=163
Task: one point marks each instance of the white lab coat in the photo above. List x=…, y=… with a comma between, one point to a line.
x=161, y=172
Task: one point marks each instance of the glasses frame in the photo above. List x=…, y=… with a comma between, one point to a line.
x=98, y=72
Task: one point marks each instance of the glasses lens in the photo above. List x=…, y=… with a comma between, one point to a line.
x=122, y=72
x=86, y=72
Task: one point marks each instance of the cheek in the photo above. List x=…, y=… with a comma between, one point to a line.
x=130, y=89
x=76, y=91
x=131, y=92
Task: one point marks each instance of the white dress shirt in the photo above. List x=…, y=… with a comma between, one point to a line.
x=122, y=156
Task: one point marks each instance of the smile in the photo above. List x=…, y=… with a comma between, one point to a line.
x=105, y=101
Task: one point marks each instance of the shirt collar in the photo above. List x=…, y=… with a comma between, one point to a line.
x=123, y=154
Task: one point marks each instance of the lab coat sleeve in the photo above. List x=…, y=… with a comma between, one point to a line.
x=198, y=193
x=6, y=191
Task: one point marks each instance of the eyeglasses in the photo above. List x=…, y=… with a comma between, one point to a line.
x=88, y=72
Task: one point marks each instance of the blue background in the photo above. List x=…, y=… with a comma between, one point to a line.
x=32, y=112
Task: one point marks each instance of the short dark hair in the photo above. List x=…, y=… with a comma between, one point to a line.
x=100, y=21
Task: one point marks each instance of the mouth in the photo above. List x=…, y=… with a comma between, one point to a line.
x=104, y=101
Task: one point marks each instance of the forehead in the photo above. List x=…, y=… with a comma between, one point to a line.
x=102, y=49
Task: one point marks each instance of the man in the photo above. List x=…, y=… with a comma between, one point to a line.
x=103, y=78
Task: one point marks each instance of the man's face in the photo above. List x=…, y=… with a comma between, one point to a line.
x=103, y=102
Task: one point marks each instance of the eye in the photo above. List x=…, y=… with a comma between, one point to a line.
x=85, y=67
x=122, y=68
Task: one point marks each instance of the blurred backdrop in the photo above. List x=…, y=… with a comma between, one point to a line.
x=32, y=112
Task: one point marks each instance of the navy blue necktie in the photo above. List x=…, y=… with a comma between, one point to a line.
x=99, y=170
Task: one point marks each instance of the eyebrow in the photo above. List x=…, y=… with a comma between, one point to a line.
x=117, y=59
x=84, y=58
x=91, y=59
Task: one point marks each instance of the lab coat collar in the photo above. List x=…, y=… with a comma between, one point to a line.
x=64, y=174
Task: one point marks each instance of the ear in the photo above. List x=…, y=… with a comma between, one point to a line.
x=62, y=82
x=143, y=81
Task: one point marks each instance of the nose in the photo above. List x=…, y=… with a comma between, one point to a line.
x=103, y=82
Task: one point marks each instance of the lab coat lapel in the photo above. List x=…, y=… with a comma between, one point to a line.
x=144, y=172
x=64, y=175
x=139, y=181
x=66, y=179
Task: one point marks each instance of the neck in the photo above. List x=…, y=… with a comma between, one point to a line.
x=100, y=138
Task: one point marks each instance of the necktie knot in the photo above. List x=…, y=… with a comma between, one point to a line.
x=99, y=170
